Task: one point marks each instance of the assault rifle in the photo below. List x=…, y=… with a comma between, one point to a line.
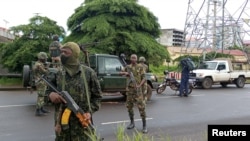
x=84, y=50
x=71, y=106
x=132, y=79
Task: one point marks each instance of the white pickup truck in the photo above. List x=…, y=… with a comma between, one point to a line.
x=219, y=71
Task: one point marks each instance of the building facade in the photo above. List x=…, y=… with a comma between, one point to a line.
x=171, y=37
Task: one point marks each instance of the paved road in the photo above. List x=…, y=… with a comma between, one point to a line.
x=169, y=116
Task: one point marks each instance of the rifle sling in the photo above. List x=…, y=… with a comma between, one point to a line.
x=86, y=88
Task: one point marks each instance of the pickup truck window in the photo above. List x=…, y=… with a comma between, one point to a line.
x=108, y=65
x=221, y=66
x=208, y=65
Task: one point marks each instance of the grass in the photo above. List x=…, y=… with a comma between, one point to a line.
x=10, y=81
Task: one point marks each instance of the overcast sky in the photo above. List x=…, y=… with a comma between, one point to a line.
x=170, y=13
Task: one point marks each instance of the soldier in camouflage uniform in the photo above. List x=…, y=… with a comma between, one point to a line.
x=72, y=77
x=54, y=50
x=142, y=61
x=39, y=69
x=134, y=94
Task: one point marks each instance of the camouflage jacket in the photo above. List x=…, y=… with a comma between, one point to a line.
x=138, y=72
x=75, y=87
x=39, y=69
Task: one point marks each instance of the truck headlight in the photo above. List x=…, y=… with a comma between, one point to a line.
x=199, y=74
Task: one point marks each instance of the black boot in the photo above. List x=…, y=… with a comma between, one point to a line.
x=39, y=112
x=44, y=110
x=132, y=123
x=144, y=126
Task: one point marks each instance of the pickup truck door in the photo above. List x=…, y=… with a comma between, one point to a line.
x=108, y=74
x=222, y=73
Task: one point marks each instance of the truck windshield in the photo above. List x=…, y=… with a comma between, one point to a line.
x=208, y=65
x=108, y=64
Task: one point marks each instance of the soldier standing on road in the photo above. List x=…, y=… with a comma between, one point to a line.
x=40, y=69
x=142, y=61
x=82, y=84
x=134, y=94
x=54, y=50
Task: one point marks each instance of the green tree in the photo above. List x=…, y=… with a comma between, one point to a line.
x=212, y=55
x=32, y=39
x=121, y=26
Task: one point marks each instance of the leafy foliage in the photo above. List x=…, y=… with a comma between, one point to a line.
x=213, y=55
x=121, y=26
x=209, y=56
x=33, y=38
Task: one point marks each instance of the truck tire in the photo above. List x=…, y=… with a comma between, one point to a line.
x=240, y=82
x=26, y=75
x=207, y=83
x=149, y=92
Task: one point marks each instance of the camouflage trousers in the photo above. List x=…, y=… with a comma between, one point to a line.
x=75, y=132
x=134, y=97
x=41, y=89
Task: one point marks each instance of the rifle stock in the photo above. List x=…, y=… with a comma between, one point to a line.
x=71, y=106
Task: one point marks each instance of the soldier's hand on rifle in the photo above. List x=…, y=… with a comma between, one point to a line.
x=56, y=98
x=87, y=116
x=124, y=73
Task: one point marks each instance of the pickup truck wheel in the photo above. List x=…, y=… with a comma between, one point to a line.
x=207, y=83
x=149, y=92
x=26, y=75
x=240, y=82
x=224, y=84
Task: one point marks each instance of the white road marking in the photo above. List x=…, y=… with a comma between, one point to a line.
x=8, y=106
x=115, y=122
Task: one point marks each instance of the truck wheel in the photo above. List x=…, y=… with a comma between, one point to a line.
x=240, y=82
x=207, y=83
x=149, y=92
x=26, y=75
x=224, y=84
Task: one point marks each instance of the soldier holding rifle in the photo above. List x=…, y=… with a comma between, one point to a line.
x=81, y=83
x=134, y=95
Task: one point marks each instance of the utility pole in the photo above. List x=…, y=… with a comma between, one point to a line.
x=214, y=26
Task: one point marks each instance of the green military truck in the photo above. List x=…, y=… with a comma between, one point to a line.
x=107, y=68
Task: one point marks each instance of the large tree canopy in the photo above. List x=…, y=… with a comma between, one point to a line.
x=32, y=39
x=120, y=26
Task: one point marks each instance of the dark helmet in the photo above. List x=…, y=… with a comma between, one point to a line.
x=55, y=38
x=42, y=55
x=142, y=59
